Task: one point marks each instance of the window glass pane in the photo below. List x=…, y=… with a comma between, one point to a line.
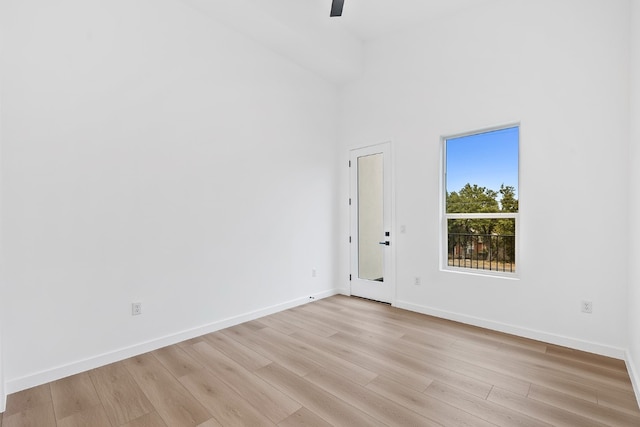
x=370, y=217
x=482, y=172
x=485, y=244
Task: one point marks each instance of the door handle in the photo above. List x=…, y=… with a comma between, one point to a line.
x=385, y=243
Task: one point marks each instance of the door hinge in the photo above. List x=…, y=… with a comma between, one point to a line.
x=349, y=277
x=349, y=239
x=349, y=201
x=349, y=163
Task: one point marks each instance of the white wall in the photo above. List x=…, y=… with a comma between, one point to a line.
x=2, y=293
x=2, y=299
x=633, y=359
x=152, y=155
x=560, y=68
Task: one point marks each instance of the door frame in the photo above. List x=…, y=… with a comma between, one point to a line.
x=390, y=276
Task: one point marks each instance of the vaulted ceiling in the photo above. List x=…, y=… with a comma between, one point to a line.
x=302, y=30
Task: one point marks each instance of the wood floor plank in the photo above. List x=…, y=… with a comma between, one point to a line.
x=224, y=404
x=172, y=401
x=191, y=341
x=594, y=374
x=338, y=321
x=582, y=407
x=593, y=359
x=120, y=395
x=416, y=321
x=242, y=354
x=305, y=323
x=33, y=416
x=94, y=417
x=392, y=327
x=332, y=409
x=373, y=404
x=379, y=327
x=425, y=405
x=466, y=365
x=352, y=354
x=544, y=365
x=624, y=401
x=151, y=419
x=434, y=347
x=428, y=340
x=512, y=341
x=268, y=400
x=332, y=318
x=211, y=423
x=333, y=303
x=481, y=408
x=388, y=353
x=327, y=360
x=303, y=418
x=73, y=394
x=487, y=339
x=253, y=325
x=348, y=304
x=176, y=361
x=280, y=325
x=540, y=410
x=292, y=361
x=529, y=371
x=27, y=399
x=335, y=321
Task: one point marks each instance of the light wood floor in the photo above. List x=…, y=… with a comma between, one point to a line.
x=345, y=362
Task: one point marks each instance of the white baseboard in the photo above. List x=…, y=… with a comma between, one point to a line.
x=588, y=346
x=43, y=377
x=634, y=374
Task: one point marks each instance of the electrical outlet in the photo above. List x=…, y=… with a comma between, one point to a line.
x=417, y=281
x=136, y=308
x=587, y=307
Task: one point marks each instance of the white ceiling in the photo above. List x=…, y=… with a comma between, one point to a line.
x=302, y=30
x=371, y=19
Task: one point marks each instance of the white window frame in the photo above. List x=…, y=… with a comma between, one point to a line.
x=444, y=231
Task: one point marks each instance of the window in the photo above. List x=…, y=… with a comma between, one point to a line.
x=481, y=201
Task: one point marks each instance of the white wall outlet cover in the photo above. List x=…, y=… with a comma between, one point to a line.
x=136, y=308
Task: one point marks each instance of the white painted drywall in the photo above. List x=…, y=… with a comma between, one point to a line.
x=300, y=31
x=152, y=155
x=3, y=301
x=559, y=68
x=2, y=293
x=633, y=360
x=3, y=396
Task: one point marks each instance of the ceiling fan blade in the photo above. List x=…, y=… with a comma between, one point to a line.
x=336, y=7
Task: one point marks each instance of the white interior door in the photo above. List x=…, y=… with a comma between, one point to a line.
x=371, y=261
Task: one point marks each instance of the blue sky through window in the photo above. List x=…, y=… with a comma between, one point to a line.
x=488, y=159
